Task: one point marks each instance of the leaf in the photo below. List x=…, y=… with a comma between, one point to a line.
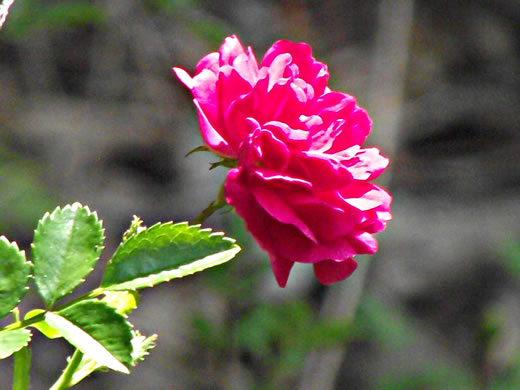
x=98, y=331
x=67, y=244
x=122, y=301
x=47, y=330
x=163, y=252
x=14, y=275
x=12, y=341
x=141, y=346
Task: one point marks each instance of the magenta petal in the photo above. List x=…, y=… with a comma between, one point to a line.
x=280, y=211
x=322, y=170
x=230, y=49
x=204, y=89
x=330, y=271
x=281, y=269
x=212, y=138
x=370, y=164
x=184, y=77
x=231, y=85
x=209, y=62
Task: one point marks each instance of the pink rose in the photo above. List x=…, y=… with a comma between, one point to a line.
x=229, y=87
x=302, y=184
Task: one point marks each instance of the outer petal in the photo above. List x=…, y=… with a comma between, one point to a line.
x=281, y=269
x=211, y=136
x=184, y=77
x=204, y=89
x=369, y=164
x=330, y=271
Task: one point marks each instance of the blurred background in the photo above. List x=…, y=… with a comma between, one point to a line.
x=90, y=112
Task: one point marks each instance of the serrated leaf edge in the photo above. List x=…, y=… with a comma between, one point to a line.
x=54, y=318
x=14, y=246
x=51, y=216
x=180, y=272
x=22, y=346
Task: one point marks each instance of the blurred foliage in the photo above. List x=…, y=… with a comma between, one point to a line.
x=276, y=337
x=23, y=198
x=28, y=16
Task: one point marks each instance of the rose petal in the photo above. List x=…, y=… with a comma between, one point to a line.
x=330, y=271
x=211, y=136
x=184, y=77
x=281, y=269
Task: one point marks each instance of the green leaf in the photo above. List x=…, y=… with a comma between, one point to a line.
x=12, y=341
x=98, y=331
x=14, y=275
x=163, y=252
x=122, y=301
x=42, y=326
x=67, y=244
x=141, y=346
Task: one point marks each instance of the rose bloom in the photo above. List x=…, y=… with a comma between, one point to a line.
x=302, y=183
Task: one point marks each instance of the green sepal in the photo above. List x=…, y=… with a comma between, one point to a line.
x=67, y=244
x=201, y=148
x=98, y=331
x=14, y=275
x=224, y=162
x=163, y=252
x=12, y=341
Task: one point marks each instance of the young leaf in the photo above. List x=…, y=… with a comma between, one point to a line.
x=163, y=252
x=122, y=301
x=67, y=244
x=98, y=331
x=12, y=341
x=141, y=346
x=14, y=275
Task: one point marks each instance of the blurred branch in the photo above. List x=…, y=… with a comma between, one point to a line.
x=386, y=91
x=4, y=10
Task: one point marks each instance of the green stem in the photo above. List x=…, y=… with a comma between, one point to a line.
x=22, y=365
x=64, y=381
x=40, y=317
x=22, y=362
x=212, y=207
